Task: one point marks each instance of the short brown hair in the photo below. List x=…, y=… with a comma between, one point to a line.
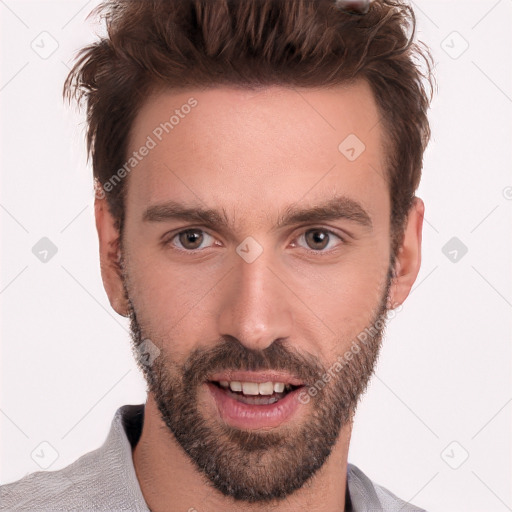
x=155, y=44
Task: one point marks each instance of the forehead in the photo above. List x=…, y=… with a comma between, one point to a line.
x=258, y=149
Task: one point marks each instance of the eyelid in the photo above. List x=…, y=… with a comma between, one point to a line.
x=342, y=238
x=169, y=236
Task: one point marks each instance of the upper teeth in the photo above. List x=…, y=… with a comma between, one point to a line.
x=255, y=388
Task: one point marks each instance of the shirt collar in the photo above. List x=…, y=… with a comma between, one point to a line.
x=126, y=430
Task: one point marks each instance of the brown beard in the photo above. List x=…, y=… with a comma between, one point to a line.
x=257, y=466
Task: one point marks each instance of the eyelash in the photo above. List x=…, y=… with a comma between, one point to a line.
x=316, y=252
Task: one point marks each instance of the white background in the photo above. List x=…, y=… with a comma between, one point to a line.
x=444, y=373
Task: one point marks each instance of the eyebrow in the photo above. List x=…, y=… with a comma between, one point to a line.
x=339, y=207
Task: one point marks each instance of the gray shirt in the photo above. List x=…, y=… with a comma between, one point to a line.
x=105, y=480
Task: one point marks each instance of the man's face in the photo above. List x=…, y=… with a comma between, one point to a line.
x=258, y=286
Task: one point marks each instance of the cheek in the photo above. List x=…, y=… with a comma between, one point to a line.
x=346, y=296
x=170, y=299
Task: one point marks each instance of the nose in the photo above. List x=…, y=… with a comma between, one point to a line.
x=255, y=307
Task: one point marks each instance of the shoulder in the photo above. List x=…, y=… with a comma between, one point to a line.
x=103, y=479
x=71, y=487
x=367, y=495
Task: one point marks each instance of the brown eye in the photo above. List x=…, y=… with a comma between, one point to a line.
x=317, y=239
x=320, y=239
x=191, y=239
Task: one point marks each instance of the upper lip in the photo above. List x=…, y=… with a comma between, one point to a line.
x=264, y=376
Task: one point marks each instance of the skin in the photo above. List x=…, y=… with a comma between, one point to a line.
x=252, y=154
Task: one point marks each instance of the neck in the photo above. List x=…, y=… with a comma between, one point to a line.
x=170, y=481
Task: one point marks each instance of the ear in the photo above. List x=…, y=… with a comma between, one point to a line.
x=408, y=259
x=110, y=256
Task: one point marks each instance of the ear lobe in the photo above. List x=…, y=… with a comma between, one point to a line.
x=408, y=259
x=110, y=256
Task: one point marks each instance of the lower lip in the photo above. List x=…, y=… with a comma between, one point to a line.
x=249, y=416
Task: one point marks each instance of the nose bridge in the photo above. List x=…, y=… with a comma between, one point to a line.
x=255, y=309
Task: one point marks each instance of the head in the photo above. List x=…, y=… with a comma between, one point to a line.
x=255, y=166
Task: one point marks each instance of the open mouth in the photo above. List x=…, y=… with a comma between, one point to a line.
x=255, y=393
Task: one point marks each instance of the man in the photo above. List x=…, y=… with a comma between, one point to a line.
x=255, y=167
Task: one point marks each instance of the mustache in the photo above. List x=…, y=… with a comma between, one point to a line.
x=230, y=354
